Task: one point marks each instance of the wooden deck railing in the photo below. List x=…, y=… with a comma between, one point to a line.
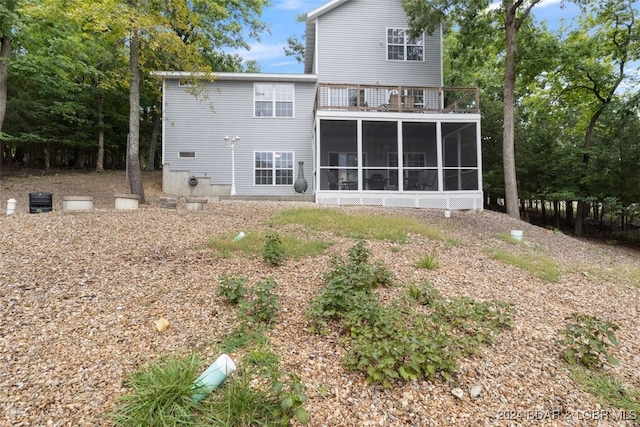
x=417, y=99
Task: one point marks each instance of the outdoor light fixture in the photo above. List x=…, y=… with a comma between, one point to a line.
x=232, y=142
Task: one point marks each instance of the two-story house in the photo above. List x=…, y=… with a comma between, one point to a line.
x=369, y=119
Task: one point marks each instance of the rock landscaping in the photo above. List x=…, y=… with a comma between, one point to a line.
x=81, y=292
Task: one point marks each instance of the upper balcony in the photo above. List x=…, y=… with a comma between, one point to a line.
x=412, y=99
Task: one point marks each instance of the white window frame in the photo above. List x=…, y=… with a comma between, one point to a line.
x=273, y=93
x=274, y=168
x=394, y=34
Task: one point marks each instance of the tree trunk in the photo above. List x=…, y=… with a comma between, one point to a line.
x=556, y=213
x=569, y=212
x=81, y=156
x=577, y=228
x=5, y=53
x=155, y=133
x=133, y=154
x=585, y=165
x=100, y=160
x=508, y=139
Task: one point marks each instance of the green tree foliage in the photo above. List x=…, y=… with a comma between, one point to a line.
x=69, y=73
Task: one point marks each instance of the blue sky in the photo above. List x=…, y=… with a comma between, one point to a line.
x=281, y=18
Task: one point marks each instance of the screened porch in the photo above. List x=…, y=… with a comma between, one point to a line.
x=399, y=162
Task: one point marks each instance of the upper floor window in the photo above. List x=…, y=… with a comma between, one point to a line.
x=400, y=47
x=273, y=100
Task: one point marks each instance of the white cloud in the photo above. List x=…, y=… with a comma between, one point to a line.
x=261, y=51
x=289, y=5
x=283, y=63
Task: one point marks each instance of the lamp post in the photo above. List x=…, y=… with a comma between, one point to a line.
x=232, y=142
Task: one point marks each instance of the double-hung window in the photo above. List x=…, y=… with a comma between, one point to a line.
x=273, y=168
x=273, y=100
x=400, y=47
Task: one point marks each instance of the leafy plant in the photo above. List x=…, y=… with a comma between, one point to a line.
x=273, y=252
x=586, y=341
x=161, y=395
x=428, y=261
x=233, y=289
x=425, y=294
x=395, y=342
x=262, y=306
x=349, y=281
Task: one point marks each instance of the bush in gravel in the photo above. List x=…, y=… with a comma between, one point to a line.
x=586, y=340
x=261, y=306
x=425, y=293
x=233, y=289
x=349, y=281
x=395, y=342
x=398, y=341
x=273, y=252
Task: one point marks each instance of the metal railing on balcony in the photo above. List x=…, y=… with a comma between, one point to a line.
x=415, y=99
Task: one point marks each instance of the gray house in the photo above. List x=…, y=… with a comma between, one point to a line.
x=369, y=121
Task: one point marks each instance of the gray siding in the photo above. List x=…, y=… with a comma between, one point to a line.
x=352, y=47
x=200, y=125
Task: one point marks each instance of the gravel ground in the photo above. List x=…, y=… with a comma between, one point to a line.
x=80, y=292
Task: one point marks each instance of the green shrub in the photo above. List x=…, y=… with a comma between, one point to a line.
x=586, y=340
x=233, y=289
x=395, y=342
x=262, y=304
x=349, y=281
x=425, y=294
x=273, y=252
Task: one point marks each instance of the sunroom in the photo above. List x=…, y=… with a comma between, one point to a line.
x=423, y=159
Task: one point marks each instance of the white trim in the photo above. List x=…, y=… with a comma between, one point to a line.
x=255, y=77
x=164, y=122
x=325, y=8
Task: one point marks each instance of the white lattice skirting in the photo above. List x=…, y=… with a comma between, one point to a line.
x=459, y=200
